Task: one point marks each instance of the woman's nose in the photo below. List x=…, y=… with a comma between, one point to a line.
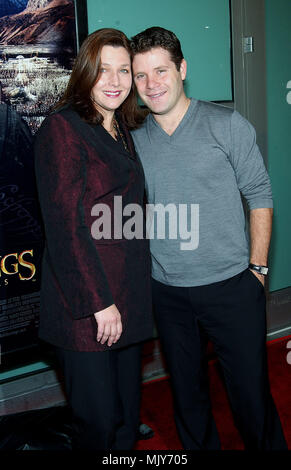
x=114, y=79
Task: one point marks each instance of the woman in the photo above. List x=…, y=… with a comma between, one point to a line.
x=95, y=297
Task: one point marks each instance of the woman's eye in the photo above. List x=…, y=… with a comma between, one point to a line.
x=124, y=70
x=102, y=70
x=139, y=76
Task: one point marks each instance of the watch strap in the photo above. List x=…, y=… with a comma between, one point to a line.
x=259, y=269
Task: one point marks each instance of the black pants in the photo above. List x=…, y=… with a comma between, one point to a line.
x=103, y=390
x=232, y=315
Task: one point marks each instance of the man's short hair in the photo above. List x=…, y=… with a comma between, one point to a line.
x=158, y=37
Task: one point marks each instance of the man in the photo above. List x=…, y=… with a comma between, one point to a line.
x=205, y=155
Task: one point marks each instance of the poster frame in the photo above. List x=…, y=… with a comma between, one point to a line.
x=40, y=352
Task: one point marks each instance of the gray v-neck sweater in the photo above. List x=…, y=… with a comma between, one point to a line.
x=201, y=170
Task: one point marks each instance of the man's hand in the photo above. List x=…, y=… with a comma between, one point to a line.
x=109, y=325
x=259, y=276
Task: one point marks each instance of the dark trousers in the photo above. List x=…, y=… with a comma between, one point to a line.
x=103, y=390
x=232, y=315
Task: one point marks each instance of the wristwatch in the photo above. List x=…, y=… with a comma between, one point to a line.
x=259, y=269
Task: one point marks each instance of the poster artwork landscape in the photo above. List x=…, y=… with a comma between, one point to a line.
x=37, y=49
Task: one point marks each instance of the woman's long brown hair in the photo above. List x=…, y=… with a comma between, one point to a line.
x=86, y=72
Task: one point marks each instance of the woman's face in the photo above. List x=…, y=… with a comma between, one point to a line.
x=114, y=83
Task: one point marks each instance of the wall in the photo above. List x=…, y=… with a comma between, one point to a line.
x=203, y=27
x=278, y=57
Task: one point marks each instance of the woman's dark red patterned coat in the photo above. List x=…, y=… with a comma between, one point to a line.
x=78, y=166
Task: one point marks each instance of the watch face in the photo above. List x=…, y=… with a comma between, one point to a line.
x=264, y=270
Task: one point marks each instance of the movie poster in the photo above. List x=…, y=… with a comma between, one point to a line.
x=37, y=50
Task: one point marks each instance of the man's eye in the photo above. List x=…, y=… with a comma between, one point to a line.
x=124, y=70
x=161, y=71
x=139, y=76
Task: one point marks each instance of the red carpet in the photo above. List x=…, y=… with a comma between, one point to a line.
x=157, y=409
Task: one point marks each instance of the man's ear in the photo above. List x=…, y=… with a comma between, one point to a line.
x=183, y=69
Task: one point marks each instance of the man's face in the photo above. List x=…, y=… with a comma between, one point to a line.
x=158, y=82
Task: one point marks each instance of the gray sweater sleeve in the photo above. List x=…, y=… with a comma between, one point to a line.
x=252, y=178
